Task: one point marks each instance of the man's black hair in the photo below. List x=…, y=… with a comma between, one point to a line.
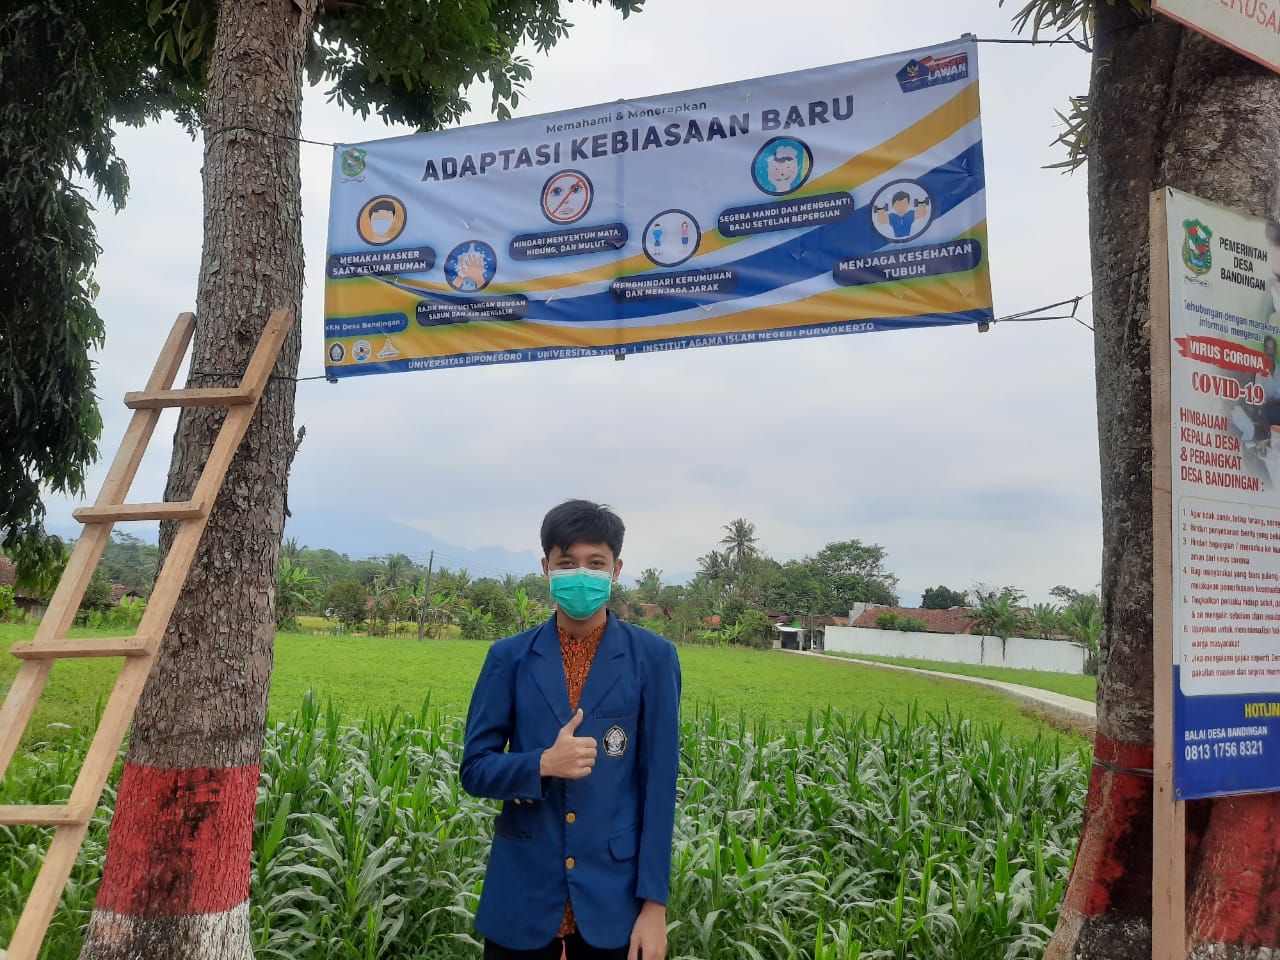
x=581, y=521
x=901, y=195
x=381, y=205
x=1273, y=232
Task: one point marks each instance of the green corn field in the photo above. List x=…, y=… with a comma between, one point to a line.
x=852, y=838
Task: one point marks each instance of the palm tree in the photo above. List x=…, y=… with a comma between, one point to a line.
x=1082, y=619
x=296, y=590
x=1046, y=620
x=999, y=616
x=528, y=609
x=649, y=585
x=396, y=568
x=290, y=550
x=740, y=541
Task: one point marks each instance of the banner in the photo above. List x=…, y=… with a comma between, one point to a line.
x=845, y=199
x=1249, y=27
x=1224, y=325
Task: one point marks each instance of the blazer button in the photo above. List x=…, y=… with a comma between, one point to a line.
x=516, y=801
x=570, y=817
x=568, y=864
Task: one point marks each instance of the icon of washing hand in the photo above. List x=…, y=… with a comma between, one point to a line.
x=470, y=273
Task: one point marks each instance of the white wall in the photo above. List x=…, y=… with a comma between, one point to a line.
x=1023, y=653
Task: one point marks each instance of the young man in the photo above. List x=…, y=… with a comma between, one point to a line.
x=574, y=725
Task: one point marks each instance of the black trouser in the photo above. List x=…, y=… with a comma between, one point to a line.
x=575, y=948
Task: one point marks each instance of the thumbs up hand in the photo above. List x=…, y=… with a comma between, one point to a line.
x=570, y=757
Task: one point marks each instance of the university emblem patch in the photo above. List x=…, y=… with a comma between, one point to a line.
x=1197, y=251
x=615, y=742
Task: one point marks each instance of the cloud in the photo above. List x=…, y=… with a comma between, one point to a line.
x=969, y=457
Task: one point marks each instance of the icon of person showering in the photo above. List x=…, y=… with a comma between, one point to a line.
x=782, y=166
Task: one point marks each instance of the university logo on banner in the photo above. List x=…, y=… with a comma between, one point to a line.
x=844, y=199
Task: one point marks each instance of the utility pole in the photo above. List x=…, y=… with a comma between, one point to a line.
x=426, y=597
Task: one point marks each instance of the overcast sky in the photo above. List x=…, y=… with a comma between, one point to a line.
x=969, y=457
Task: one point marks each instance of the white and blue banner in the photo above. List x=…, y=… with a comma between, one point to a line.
x=1224, y=325
x=844, y=199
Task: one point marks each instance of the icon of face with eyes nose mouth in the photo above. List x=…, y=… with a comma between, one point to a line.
x=566, y=197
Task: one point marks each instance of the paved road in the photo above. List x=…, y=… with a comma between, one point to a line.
x=1072, y=708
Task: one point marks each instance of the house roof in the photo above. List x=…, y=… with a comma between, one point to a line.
x=9, y=576
x=955, y=620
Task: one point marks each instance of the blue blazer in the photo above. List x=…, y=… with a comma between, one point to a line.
x=604, y=841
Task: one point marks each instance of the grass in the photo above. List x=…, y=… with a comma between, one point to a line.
x=1069, y=684
x=368, y=675
x=838, y=838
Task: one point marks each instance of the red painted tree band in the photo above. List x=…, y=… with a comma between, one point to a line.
x=180, y=841
x=1237, y=893
x=1113, y=866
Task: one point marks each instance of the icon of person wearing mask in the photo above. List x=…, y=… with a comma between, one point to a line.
x=382, y=220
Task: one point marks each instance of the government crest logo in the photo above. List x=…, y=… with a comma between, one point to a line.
x=931, y=71
x=1197, y=252
x=352, y=160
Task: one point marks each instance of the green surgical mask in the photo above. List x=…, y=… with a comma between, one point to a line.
x=580, y=592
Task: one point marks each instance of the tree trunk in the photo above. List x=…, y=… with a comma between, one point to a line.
x=176, y=880
x=1168, y=107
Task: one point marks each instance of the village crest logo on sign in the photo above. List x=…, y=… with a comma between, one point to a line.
x=1197, y=254
x=353, y=162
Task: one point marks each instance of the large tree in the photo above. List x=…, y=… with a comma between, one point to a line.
x=855, y=572
x=186, y=798
x=943, y=598
x=70, y=71
x=1166, y=106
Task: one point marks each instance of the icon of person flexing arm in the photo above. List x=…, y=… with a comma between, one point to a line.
x=900, y=215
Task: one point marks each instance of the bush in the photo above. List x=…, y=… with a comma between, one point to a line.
x=7, y=604
x=488, y=597
x=755, y=630
x=890, y=620
x=97, y=596
x=475, y=624
x=349, y=601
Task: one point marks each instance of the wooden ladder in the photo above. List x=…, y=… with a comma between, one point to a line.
x=71, y=820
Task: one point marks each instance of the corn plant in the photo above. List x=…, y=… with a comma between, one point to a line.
x=851, y=838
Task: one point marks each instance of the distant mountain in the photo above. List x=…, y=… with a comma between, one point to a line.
x=360, y=537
